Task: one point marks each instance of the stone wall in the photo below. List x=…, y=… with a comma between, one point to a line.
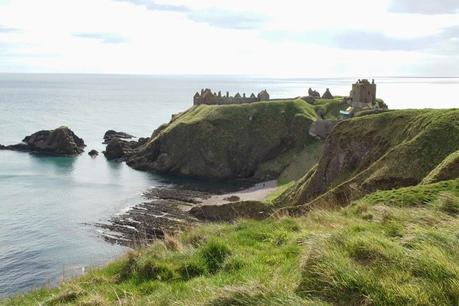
x=210, y=98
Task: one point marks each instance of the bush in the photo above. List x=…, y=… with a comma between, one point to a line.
x=191, y=269
x=150, y=270
x=214, y=254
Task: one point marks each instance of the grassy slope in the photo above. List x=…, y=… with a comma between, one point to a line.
x=389, y=248
x=446, y=170
x=258, y=140
x=381, y=151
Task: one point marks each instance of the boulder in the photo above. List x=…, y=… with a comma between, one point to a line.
x=59, y=142
x=327, y=95
x=118, y=149
x=111, y=134
x=93, y=153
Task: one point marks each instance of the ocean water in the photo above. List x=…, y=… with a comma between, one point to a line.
x=48, y=205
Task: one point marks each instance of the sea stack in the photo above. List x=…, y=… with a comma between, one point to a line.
x=59, y=142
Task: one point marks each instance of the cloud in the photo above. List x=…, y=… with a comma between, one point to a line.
x=444, y=42
x=228, y=19
x=5, y=29
x=106, y=38
x=427, y=7
x=220, y=18
x=154, y=6
x=357, y=40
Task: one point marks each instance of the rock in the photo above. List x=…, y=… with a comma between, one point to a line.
x=322, y=128
x=59, y=142
x=327, y=95
x=232, y=211
x=93, y=153
x=232, y=198
x=111, y=134
x=118, y=149
x=313, y=93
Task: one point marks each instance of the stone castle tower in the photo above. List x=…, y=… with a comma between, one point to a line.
x=363, y=94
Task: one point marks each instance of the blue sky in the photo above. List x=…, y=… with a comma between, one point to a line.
x=257, y=37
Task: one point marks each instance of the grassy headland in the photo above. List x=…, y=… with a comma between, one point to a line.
x=389, y=248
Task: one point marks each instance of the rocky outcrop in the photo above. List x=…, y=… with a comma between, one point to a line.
x=226, y=142
x=60, y=142
x=322, y=128
x=118, y=149
x=232, y=211
x=111, y=134
x=327, y=94
x=93, y=153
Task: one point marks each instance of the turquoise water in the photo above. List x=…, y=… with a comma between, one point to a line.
x=48, y=204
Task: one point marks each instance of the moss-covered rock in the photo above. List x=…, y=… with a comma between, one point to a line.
x=378, y=151
x=255, y=141
x=446, y=170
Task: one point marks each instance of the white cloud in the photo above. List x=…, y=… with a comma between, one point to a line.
x=218, y=37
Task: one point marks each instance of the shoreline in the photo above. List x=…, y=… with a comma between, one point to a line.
x=167, y=210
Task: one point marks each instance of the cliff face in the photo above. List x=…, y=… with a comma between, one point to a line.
x=227, y=142
x=380, y=151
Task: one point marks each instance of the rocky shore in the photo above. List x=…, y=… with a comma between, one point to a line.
x=168, y=210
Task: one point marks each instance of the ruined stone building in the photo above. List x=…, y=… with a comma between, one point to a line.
x=363, y=94
x=210, y=98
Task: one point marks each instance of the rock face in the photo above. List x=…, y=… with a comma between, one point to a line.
x=111, y=134
x=378, y=152
x=327, y=94
x=225, y=142
x=60, y=142
x=322, y=128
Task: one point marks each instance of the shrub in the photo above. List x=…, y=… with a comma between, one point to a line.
x=214, y=254
x=191, y=269
x=150, y=270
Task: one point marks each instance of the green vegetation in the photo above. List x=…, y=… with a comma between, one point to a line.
x=389, y=248
x=377, y=152
x=448, y=169
x=258, y=141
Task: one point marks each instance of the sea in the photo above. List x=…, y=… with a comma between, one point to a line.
x=49, y=205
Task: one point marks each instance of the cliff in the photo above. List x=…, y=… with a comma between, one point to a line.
x=378, y=152
x=250, y=141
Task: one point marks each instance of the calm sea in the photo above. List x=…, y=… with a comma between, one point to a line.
x=47, y=204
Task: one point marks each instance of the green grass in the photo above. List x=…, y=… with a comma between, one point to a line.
x=448, y=169
x=390, y=248
x=379, y=152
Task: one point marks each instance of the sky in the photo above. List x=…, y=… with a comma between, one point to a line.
x=299, y=38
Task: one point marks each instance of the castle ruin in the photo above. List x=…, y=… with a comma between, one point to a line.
x=210, y=98
x=363, y=94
